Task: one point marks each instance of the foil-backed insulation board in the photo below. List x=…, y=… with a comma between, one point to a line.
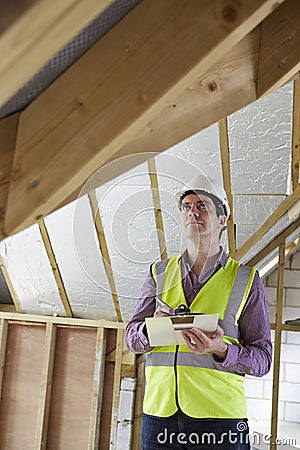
x=67, y=56
x=29, y=269
x=126, y=209
x=76, y=248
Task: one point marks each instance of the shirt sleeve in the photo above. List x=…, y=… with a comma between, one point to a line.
x=136, y=333
x=253, y=356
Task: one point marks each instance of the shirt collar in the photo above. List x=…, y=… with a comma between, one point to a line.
x=221, y=259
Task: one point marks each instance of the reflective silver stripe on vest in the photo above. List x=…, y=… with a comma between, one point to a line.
x=236, y=296
x=189, y=359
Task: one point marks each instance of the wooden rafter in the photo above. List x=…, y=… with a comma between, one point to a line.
x=8, y=133
x=38, y=34
x=282, y=209
x=279, y=53
x=225, y=88
x=105, y=253
x=55, y=269
x=296, y=135
x=113, y=91
x=274, y=244
x=225, y=157
x=157, y=209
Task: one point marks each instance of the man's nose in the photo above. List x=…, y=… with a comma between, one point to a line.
x=194, y=210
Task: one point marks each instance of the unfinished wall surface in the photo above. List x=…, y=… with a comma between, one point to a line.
x=60, y=385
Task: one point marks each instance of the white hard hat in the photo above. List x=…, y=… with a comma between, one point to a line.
x=208, y=186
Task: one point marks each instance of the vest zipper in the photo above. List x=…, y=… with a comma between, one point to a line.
x=175, y=372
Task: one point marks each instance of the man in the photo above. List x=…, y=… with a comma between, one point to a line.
x=194, y=397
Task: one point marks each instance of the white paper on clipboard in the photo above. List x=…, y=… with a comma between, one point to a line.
x=167, y=330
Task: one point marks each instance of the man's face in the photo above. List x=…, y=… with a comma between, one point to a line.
x=199, y=218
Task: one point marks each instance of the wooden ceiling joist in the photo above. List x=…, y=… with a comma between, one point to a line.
x=37, y=35
x=143, y=64
x=279, y=53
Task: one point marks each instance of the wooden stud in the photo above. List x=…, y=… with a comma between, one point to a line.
x=282, y=209
x=105, y=253
x=10, y=286
x=93, y=442
x=115, y=90
x=63, y=321
x=46, y=387
x=225, y=157
x=116, y=389
x=3, y=342
x=138, y=408
x=296, y=135
x=55, y=268
x=279, y=54
x=277, y=345
x=157, y=208
x=274, y=244
x=38, y=34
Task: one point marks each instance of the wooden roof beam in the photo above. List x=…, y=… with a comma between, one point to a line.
x=143, y=64
x=37, y=31
x=279, y=57
x=8, y=133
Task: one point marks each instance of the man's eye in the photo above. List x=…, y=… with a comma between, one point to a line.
x=185, y=207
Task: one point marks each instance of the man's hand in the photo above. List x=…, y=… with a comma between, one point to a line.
x=163, y=311
x=199, y=342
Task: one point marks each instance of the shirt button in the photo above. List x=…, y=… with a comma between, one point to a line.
x=195, y=290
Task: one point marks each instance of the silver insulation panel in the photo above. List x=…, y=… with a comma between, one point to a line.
x=260, y=143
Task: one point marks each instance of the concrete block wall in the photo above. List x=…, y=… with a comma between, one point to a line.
x=259, y=390
x=125, y=418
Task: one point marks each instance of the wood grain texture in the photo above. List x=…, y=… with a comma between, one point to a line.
x=113, y=91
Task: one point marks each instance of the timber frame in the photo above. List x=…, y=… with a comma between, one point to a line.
x=127, y=96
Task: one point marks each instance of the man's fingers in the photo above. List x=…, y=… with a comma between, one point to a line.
x=163, y=311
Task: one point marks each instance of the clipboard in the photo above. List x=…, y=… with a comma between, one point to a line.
x=164, y=331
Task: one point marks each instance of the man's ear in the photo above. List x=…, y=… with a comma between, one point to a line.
x=222, y=220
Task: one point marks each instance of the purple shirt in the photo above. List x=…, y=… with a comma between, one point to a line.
x=252, y=356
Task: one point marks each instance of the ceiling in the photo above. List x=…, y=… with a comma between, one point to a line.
x=118, y=105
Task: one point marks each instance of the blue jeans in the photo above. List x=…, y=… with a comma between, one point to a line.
x=180, y=432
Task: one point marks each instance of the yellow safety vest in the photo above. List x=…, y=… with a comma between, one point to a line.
x=176, y=378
